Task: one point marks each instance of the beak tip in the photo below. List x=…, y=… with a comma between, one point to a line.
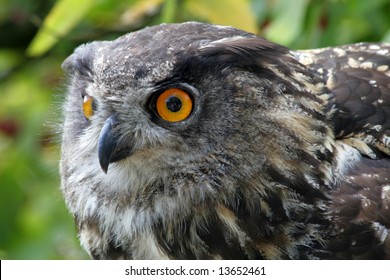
x=104, y=167
x=107, y=143
x=104, y=158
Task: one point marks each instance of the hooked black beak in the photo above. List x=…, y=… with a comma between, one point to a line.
x=107, y=143
x=109, y=149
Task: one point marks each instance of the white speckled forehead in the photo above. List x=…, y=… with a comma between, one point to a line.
x=150, y=54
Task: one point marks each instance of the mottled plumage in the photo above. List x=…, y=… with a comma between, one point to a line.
x=284, y=155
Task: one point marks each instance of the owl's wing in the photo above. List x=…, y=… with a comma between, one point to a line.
x=359, y=77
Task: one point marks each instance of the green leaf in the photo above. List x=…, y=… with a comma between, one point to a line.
x=386, y=38
x=236, y=13
x=9, y=58
x=135, y=13
x=288, y=24
x=62, y=18
x=169, y=11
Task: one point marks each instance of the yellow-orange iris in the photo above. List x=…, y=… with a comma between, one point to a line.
x=174, y=105
x=88, y=107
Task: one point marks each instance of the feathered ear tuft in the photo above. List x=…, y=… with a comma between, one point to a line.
x=79, y=62
x=252, y=53
x=68, y=64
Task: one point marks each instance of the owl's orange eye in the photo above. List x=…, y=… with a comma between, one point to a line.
x=88, y=106
x=174, y=105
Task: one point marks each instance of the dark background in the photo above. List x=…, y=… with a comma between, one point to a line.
x=37, y=35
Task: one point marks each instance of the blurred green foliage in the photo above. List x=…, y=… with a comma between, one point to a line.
x=36, y=36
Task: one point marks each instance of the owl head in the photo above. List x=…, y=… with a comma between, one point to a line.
x=193, y=141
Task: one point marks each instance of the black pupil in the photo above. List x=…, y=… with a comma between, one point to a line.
x=173, y=104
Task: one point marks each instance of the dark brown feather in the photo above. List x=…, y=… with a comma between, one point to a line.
x=359, y=77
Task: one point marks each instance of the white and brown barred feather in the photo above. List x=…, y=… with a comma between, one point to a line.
x=287, y=158
x=359, y=77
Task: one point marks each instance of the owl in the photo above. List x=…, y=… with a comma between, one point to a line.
x=199, y=141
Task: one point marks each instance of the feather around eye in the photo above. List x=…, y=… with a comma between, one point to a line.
x=174, y=105
x=88, y=107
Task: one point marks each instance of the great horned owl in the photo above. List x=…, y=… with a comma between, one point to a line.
x=197, y=141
